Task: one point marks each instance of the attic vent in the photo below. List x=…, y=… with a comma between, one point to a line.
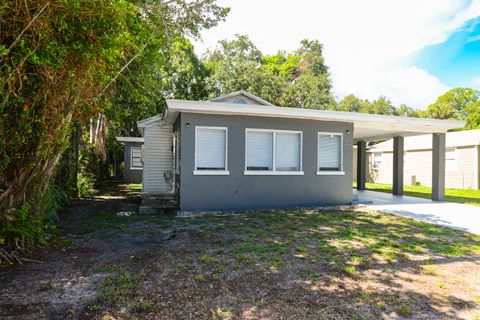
x=240, y=101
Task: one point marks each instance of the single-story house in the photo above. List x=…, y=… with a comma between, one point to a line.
x=461, y=160
x=238, y=152
x=133, y=163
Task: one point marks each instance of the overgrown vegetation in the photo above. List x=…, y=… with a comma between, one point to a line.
x=58, y=63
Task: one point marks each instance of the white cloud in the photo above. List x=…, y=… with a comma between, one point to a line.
x=367, y=43
x=476, y=82
x=473, y=39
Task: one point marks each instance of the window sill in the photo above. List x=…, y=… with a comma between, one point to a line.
x=273, y=173
x=136, y=168
x=330, y=173
x=210, y=173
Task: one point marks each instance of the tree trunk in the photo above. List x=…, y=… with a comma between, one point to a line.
x=32, y=181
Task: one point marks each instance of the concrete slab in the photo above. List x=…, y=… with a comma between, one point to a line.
x=449, y=214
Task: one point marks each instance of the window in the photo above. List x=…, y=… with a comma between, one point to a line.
x=275, y=152
x=377, y=160
x=210, y=151
x=287, y=151
x=259, y=150
x=240, y=101
x=451, y=159
x=330, y=153
x=136, y=158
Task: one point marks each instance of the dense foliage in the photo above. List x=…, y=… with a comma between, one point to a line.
x=296, y=79
x=458, y=103
x=58, y=59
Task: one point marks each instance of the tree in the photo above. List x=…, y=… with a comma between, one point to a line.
x=458, y=103
x=405, y=111
x=233, y=66
x=58, y=61
x=380, y=106
x=351, y=103
x=298, y=79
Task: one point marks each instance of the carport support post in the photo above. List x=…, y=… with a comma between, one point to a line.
x=397, y=166
x=361, y=164
x=438, y=167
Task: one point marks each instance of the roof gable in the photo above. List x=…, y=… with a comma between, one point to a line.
x=241, y=97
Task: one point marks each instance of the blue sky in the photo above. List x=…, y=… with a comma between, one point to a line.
x=411, y=51
x=455, y=62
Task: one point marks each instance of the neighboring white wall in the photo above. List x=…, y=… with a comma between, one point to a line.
x=157, y=158
x=418, y=163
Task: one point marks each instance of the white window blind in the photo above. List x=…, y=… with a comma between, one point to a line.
x=259, y=150
x=287, y=151
x=210, y=148
x=136, y=158
x=329, y=152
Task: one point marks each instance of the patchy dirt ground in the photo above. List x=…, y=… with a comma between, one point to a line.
x=292, y=264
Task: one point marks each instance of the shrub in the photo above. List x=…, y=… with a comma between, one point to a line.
x=20, y=229
x=85, y=185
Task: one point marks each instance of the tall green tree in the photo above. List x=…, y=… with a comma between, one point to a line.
x=296, y=79
x=458, y=103
x=233, y=65
x=58, y=61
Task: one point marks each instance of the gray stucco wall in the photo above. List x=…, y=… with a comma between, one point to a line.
x=131, y=176
x=238, y=191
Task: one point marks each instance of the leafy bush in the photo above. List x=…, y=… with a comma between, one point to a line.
x=85, y=185
x=21, y=229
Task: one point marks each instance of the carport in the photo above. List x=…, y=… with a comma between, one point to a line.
x=397, y=128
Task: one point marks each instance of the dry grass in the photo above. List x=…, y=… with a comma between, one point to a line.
x=292, y=264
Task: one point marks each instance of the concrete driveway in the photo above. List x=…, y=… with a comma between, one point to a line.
x=449, y=214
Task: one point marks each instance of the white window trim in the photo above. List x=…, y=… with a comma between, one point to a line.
x=211, y=172
x=273, y=172
x=131, y=158
x=331, y=173
x=456, y=160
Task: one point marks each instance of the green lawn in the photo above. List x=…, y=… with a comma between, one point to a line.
x=454, y=195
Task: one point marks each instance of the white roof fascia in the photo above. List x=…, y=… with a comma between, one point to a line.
x=386, y=125
x=148, y=121
x=245, y=93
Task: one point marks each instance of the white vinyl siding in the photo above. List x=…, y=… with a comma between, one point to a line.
x=418, y=168
x=330, y=153
x=273, y=152
x=451, y=159
x=210, y=150
x=136, y=158
x=157, y=159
